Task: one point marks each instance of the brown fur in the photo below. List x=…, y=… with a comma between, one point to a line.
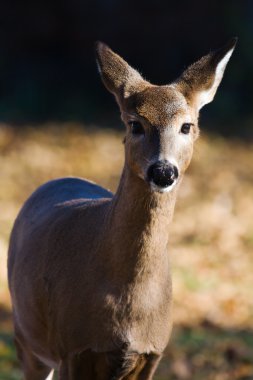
x=89, y=272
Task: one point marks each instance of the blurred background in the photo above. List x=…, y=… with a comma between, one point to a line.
x=56, y=119
x=47, y=69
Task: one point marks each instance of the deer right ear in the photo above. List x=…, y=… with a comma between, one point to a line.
x=118, y=77
x=200, y=81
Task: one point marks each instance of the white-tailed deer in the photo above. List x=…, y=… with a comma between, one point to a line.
x=89, y=271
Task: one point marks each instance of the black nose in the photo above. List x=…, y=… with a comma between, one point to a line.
x=162, y=173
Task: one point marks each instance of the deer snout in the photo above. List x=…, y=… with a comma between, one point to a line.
x=162, y=174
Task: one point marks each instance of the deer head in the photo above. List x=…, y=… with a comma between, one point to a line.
x=161, y=121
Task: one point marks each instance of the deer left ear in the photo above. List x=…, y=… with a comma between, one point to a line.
x=199, y=82
x=117, y=75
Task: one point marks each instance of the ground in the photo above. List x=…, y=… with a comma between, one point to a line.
x=211, y=240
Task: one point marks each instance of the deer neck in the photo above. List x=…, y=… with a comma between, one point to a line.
x=139, y=225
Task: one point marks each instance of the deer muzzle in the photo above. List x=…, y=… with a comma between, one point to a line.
x=162, y=174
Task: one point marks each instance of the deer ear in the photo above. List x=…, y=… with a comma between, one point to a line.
x=199, y=82
x=117, y=76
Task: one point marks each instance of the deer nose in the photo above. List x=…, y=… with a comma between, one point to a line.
x=162, y=173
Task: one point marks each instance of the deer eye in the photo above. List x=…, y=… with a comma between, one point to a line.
x=185, y=129
x=136, y=128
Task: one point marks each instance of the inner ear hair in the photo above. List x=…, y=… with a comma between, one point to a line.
x=200, y=81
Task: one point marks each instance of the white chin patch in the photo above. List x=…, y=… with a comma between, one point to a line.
x=159, y=189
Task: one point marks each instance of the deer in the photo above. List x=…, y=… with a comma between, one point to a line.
x=89, y=271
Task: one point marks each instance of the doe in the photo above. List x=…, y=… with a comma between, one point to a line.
x=89, y=271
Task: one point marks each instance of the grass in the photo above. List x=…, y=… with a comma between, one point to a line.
x=211, y=241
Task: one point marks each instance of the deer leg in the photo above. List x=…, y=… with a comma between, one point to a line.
x=150, y=367
x=86, y=365
x=32, y=367
x=116, y=365
x=127, y=365
x=144, y=368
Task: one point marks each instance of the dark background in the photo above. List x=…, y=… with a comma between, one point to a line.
x=48, y=71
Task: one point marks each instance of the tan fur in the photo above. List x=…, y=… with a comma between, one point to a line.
x=89, y=272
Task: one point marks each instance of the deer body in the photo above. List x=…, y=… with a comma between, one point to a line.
x=89, y=271
x=112, y=284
